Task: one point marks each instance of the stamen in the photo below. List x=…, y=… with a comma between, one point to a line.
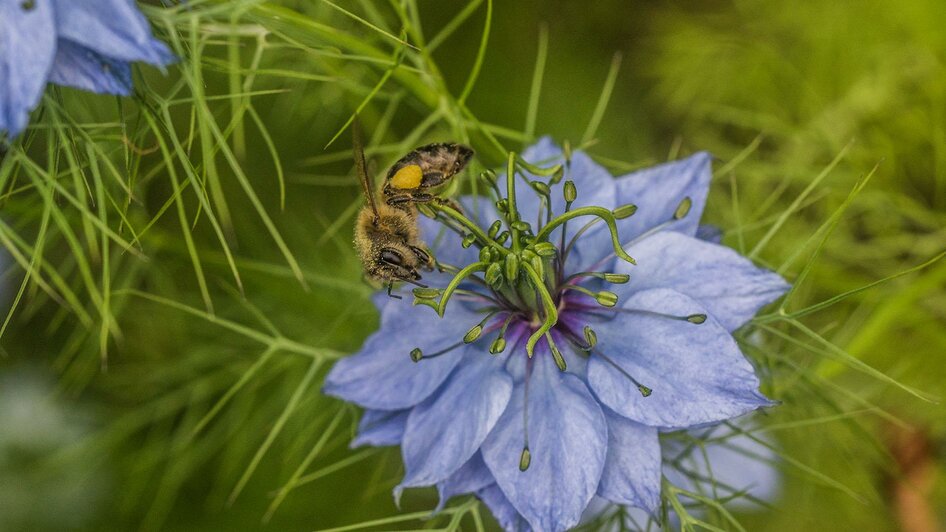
x=499, y=344
x=613, y=278
x=417, y=354
x=525, y=458
x=604, y=297
x=624, y=211
x=474, y=333
x=644, y=390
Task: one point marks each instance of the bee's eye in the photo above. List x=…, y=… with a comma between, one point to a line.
x=392, y=257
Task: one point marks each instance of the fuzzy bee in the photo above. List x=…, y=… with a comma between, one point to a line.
x=387, y=237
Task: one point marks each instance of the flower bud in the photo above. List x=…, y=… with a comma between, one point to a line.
x=468, y=240
x=494, y=275
x=494, y=229
x=502, y=237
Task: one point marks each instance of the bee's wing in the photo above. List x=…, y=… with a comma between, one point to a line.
x=361, y=168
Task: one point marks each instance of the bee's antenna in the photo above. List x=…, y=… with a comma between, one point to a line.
x=415, y=283
x=361, y=168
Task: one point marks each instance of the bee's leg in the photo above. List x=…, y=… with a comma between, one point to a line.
x=424, y=257
x=391, y=287
x=450, y=202
x=400, y=199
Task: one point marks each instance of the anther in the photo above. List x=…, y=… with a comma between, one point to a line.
x=512, y=267
x=503, y=237
x=591, y=337
x=606, y=298
x=416, y=354
x=486, y=254
x=468, y=240
x=473, y=334
x=494, y=275
x=520, y=225
x=502, y=205
x=616, y=278
x=540, y=188
x=683, y=208
x=624, y=211
x=545, y=249
x=494, y=229
x=570, y=192
x=525, y=458
x=696, y=318
x=426, y=293
x=498, y=345
x=556, y=354
x=558, y=175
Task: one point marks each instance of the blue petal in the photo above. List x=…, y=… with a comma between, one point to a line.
x=657, y=192
x=727, y=284
x=568, y=439
x=709, y=233
x=446, y=430
x=504, y=512
x=27, y=48
x=696, y=372
x=80, y=67
x=470, y=478
x=113, y=28
x=380, y=428
x=632, y=469
x=382, y=375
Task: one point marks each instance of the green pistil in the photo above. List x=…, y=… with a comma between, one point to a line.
x=551, y=313
x=600, y=212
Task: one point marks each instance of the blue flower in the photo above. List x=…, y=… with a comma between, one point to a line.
x=619, y=352
x=87, y=44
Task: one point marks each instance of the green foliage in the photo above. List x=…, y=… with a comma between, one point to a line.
x=182, y=260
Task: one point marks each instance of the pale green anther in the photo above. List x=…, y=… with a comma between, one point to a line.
x=494, y=275
x=557, y=176
x=503, y=237
x=645, y=391
x=525, y=459
x=617, y=278
x=426, y=293
x=683, y=209
x=591, y=337
x=520, y=225
x=540, y=187
x=567, y=151
x=606, y=299
x=502, y=205
x=486, y=254
x=498, y=346
x=494, y=229
x=473, y=334
x=468, y=240
x=624, y=211
x=571, y=191
x=696, y=318
x=512, y=267
x=416, y=354
x=545, y=249
x=527, y=240
x=489, y=176
x=529, y=254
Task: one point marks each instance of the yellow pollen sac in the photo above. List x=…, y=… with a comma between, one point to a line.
x=408, y=177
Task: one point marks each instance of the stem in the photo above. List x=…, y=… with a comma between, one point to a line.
x=601, y=213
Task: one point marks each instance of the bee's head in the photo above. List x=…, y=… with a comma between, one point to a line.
x=397, y=262
x=464, y=154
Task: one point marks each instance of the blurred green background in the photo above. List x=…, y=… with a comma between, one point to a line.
x=146, y=385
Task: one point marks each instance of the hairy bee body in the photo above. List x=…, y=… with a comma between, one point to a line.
x=387, y=237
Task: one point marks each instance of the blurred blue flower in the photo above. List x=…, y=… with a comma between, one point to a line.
x=538, y=438
x=87, y=44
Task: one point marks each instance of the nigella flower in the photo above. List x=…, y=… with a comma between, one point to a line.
x=561, y=347
x=87, y=44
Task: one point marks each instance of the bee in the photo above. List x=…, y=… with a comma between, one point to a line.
x=387, y=237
